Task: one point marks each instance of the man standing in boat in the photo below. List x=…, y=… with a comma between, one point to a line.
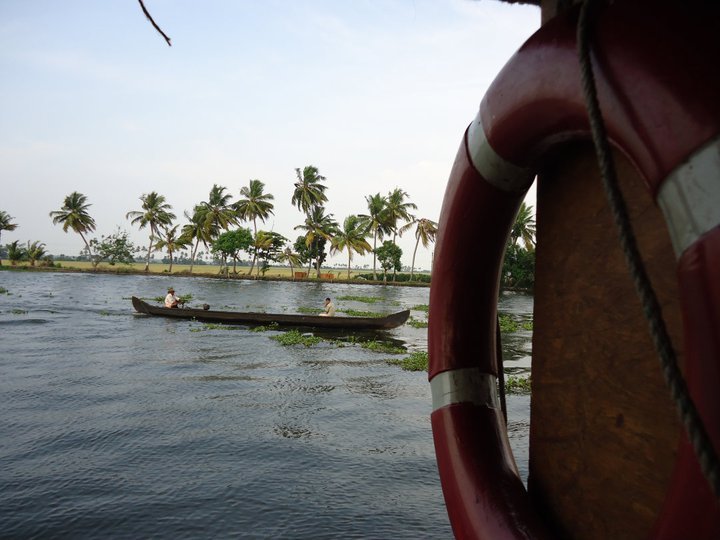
x=172, y=301
x=329, y=309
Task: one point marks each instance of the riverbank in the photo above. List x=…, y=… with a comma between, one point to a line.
x=332, y=275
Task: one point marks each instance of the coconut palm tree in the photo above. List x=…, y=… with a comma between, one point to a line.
x=155, y=214
x=219, y=213
x=196, y=231
x=35, y=251
x=74, y=215
x=293, y=259
x=318, y=225
x=398, y=210
x=171, y=243
x=376, y=222
x=524, y=227
x=309, y=190
x=351, y=237
x=6, y=224
x=425, y=232
x=255, y=204
x=16, y=252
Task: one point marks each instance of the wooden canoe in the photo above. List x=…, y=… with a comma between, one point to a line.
x=284, y=319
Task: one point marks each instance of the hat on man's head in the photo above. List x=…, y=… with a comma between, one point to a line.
x=170, y=289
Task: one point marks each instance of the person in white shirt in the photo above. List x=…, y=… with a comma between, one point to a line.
x=172, y=301
x=329, y=308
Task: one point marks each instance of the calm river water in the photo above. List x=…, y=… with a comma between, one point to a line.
x=118, y=425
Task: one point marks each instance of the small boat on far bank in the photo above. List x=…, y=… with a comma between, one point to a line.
x=283, y=319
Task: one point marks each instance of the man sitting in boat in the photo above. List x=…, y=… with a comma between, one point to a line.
x=329, y=309
x=172, y=301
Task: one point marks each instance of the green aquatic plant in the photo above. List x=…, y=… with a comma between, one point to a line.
x=215, y=326
x=294, y=337
x=417, y=361
x=18, y=312
x=516, y=384
x=380, y=347
x=417, y=323
x=265, y=328
x=421, y=307
x=365, y=299
x=3, y=290
x=508, y=324
x=356, y=313
x=309, y=310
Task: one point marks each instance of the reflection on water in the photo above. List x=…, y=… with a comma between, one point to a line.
x=117, y=424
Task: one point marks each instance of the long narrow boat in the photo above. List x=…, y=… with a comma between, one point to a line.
x=284, y=319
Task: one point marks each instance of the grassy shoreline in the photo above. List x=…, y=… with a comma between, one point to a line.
x=206, y=271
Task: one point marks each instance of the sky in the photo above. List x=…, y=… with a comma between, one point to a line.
x=375, y=93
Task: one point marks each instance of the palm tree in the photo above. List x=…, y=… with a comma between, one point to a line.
x=196, y=231
x=16, y=252
x=5, y=224
x=35, y=251
x=524, y=227
x=396, y=210
x=155, y=213
x=375, y=221
x=74, y=215
x=425, y=232
x=317, y=225
x=352, y=238
x=291, y=258
x=171, y=242
x=256, y=204
x=309, y=189
x=220, y=213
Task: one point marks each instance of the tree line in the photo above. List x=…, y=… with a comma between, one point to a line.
x=218, y=214
x=216, y=224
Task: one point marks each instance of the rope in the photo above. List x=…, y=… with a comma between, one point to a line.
x=701, y=443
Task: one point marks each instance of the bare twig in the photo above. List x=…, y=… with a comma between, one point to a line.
x=145, y=11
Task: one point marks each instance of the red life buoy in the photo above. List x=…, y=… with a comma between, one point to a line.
x=659, y=90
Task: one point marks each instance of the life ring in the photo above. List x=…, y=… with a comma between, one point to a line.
x=659, y=90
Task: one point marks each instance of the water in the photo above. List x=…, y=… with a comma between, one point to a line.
x=118, y=425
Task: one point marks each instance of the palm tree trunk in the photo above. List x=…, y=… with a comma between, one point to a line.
x=412, y=267
x=192, y=257
x=394, y=242
x=310, y=260
x=252, y=265
x=171, y=261
x=374, y=255
x=90, y=253
x=147, y=260
x=349, y=258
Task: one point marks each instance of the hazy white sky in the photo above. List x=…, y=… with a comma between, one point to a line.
x=375, y=93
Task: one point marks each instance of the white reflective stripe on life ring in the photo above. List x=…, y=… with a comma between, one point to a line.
x=465, y=385
x=690, y=197
x=496, y=171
